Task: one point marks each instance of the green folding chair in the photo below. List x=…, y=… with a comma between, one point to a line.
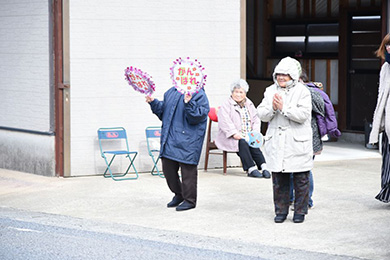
x=153, y=134
x=115, y=137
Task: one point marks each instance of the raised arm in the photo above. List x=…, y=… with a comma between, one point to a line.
x=156, y=106
x=197, y=108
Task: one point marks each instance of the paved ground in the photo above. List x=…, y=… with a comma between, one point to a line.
x=23, y=239
x=234, y=213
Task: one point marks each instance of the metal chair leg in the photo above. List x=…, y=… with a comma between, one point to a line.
x=156, y=167
x=117, y=176
x=105, y=175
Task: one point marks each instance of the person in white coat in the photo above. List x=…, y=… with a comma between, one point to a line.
x=286, y=107
x=381, y=120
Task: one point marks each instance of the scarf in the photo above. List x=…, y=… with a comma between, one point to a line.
x=242, y=103
x=387, y=57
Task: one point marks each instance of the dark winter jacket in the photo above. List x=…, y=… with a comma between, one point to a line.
x=327, y=124
x=318, y=109
x=183, y=125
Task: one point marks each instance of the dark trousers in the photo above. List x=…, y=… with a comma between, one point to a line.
x=248, y=155
x=281, y=187
x=187, y=188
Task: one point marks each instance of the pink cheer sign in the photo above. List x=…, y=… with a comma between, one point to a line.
x=139, y=80
x=187, y=75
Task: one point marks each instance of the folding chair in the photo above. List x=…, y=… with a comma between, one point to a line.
x=115, y=136
x=153, y=134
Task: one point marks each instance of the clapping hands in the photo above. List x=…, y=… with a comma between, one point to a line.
x=277, y=102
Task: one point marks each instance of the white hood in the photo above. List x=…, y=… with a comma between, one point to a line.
x=288, y=66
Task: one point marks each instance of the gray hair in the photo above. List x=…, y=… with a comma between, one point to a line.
x=240, y=83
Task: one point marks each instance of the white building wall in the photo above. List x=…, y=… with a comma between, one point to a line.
x=25, y=87
x=108, y=36
x=25, y=99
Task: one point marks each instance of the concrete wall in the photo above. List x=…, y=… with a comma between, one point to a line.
x=108, y=36
x=26, y=99
x=27, y=152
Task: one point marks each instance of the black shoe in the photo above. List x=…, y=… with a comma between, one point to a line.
x=280, y=218
x=266, y=174
x=175, y=202
x=185, y=206
x=298, y=218
x=255, y=173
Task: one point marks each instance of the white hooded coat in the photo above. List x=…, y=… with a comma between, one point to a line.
x=381, y=121
x=288, y=141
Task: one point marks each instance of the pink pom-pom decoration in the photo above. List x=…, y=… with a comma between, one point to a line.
x=187, y=75
x=139, y=80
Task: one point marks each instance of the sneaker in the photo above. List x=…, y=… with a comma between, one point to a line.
x=255, y=173
x=266, y=174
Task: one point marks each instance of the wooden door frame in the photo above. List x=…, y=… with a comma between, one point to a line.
x=58, y=86
x=343, y=58
x=60, y=20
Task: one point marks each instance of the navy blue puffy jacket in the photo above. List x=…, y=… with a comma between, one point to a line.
x=183, y=125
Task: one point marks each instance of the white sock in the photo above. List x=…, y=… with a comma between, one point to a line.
x=263, y=167
x=251, y=169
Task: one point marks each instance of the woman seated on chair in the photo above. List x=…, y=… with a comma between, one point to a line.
x=236, y=118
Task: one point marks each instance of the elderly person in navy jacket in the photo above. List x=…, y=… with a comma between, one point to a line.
x=184, y=120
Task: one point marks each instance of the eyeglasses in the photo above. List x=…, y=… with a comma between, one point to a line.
x=281, y=75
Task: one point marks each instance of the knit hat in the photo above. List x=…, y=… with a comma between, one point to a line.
x=288, y=66
x=240, y=83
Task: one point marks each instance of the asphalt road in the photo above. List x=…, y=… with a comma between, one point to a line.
x=33, y=235
x=28, y=240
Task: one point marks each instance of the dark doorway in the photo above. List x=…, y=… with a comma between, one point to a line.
x=363, y=68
